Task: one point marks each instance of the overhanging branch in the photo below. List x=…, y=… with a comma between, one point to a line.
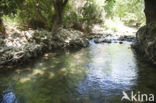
x=37, y=9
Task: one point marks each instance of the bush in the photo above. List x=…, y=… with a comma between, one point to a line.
x=91, y=13
x=85, y=16
x=29, y=15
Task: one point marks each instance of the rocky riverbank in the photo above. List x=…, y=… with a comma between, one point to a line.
x=146, y=42
x=20, y=46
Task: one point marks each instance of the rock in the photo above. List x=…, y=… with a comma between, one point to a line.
x=106, y=41
x=146, y=42
x=28, y=35
x=120, y=42
x=126, y=38
x=121, y=38
x=96, y=40
x=27, y=44
x=28, y=55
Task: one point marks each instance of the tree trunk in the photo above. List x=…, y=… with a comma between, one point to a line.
x=57, y=20
x=2, y=28
x=146, y=42
x=150, y=11
x=58, y=15
x=59, y=8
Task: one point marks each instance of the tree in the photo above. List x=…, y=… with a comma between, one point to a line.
x=49, y=12
x=59, y=6
x=150, y=11
x=2, y=28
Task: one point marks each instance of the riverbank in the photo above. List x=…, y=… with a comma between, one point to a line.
x=19, y=46
x=23, y=45
x=146, y=43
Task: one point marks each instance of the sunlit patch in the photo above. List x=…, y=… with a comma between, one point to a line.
x=51, y=75
x=23, y=80
x=63, y=70
x=27, y=69
x=77, y=56
x=22, y=70
x=10, y=67
x=18, y=71
x=76, y=71
x=44, y=68
x=46, y=55
x=30, y=76
x=52, y=66
x=121, y=27
x=38, y=71
x=41, y=64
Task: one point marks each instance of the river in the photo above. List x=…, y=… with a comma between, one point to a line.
x=96, y=74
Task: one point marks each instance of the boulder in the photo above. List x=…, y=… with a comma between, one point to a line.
x=146, y=42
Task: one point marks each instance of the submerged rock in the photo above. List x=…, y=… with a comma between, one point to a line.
x=126, y=38
x=9, y=98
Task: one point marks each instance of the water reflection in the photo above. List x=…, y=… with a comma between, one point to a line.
x=8, y=97
x=112, y=68
x=97, y=74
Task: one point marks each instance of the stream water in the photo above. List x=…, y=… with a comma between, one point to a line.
x=97, y=74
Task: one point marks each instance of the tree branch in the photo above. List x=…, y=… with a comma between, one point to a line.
x=64, y=3
x=44, y=20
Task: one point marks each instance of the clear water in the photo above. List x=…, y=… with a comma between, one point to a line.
x=97, y=74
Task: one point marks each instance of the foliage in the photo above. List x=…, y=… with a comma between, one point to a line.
x=9, y=6
x=109, y=7
x=128, y=11
x=6, y=6
x=91, y=12
x=30, y=14
x=87, y=14
x=47, y=13
x=39, y=13
x=11, y=20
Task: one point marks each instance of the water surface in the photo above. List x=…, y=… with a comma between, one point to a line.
x=97, y=74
